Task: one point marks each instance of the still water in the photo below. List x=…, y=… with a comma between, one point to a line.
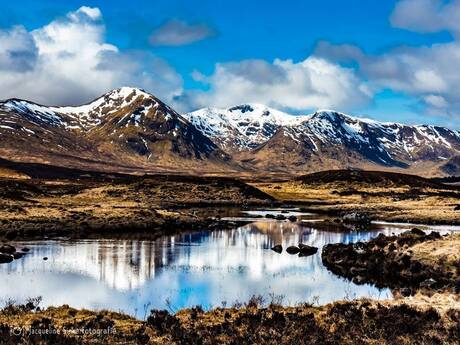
x=203, y=268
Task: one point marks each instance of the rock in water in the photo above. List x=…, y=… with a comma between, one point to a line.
x=306, y=250
x=292, y=218
x=17, y=255
x=278, y=248
x=7, y=249
x=356, y=218
x=293, y=250
x=5, y=258
x=417, y=232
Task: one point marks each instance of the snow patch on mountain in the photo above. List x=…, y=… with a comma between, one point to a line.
x=241, y=127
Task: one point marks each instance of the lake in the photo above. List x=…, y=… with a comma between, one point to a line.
x=209, y=269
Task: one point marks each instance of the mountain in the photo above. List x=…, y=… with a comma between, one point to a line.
x=126, y=128
x=269, y=140
x=130, y=130
x=242, y=127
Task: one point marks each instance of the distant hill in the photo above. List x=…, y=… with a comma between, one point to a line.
x=370, y=178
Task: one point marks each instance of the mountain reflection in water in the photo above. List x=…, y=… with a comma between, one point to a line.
x=202, y=268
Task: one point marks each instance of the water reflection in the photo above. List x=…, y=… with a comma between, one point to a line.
x=202, y=268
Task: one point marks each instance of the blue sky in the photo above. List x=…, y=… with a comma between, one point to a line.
x=218, y=53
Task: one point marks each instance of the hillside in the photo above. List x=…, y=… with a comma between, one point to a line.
x=369, y=178
x=125, y=129
x=269, y=140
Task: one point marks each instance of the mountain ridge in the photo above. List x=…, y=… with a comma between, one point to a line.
x=130, y=128
x=124, y=127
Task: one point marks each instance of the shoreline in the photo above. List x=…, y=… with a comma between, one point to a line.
x=419, y=319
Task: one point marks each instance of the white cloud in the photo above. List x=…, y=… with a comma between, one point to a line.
x=427, y=15
x=68, y=61
x=309, y=84
x=18, y=51
x=179, y=33
x=436, y=101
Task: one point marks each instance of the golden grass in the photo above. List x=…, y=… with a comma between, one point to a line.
x=425, y=209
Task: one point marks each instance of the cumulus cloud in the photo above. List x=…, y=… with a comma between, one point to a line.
x=427, y=15
x=179, y=33
x=427, y=73
x=285, y=84
x=68, y=61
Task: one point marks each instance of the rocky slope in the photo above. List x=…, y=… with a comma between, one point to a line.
x=270, y=140
x=126, y=128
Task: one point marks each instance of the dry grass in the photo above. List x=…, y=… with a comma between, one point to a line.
x=445, y=252
x=391, y=204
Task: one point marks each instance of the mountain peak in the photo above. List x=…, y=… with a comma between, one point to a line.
x=125, y=92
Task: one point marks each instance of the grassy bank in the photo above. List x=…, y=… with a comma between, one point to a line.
x=146, y=206
x=418, y=320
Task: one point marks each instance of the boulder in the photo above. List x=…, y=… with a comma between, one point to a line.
x=7, y=249
x=306, y=250
x=270, y=216
x=17, y=255
x=278, y=248
x=405, y=292
x=428, y=283
x=280, y=217
x=417, y=232
x=356, y=218
x=293, y=250
x=5, y=258
x=292, y=218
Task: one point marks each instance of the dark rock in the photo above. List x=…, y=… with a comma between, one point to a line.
x=7, y=249
x=17, y=255
x=11, y=234
x=5, y=258
x=25, y=250
x=280, y=217
x=278, y=248
x=293, y=250
x=405, y=292
x=292, y=218
x=417, y=232
x=45, y=258
x=306, y=250
x=356, y=218
x=270, y=216
x=428, y=283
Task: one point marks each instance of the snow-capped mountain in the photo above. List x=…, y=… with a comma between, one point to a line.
x=242, y=127
x=126, y=126
x=270, y=140
x=130, y=129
